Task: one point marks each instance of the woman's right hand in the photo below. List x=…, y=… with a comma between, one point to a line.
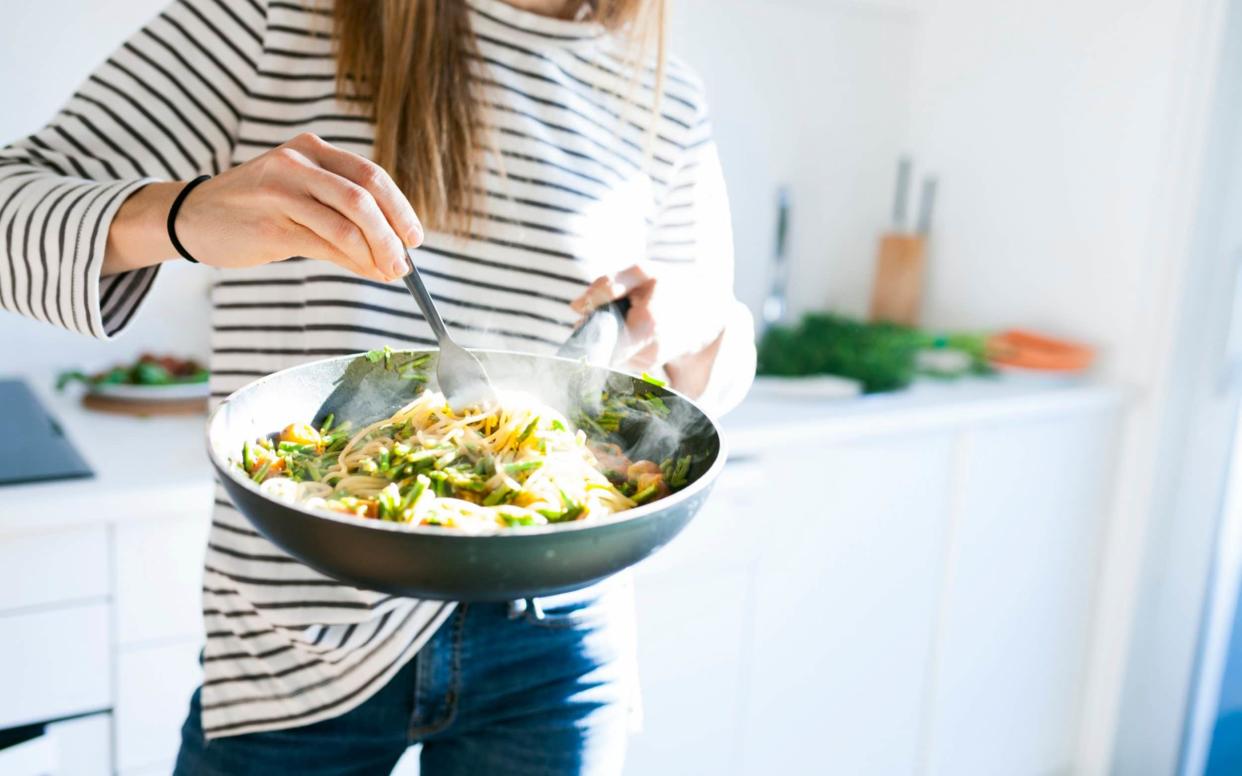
x=304, y=198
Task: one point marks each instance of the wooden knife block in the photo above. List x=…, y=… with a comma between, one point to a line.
x=897, y=291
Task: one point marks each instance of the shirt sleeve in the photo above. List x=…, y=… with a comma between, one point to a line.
x=692, y=239
x=165, y=106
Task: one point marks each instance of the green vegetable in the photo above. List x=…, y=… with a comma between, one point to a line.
x=421, y=482
x=520, y=519
x=658, y=383
x=644, y=495
x=498, y=495
x=573, y=509
x=526, y=432
x=147, y=373
x=384, y=353
x=64, y=378
x=524, y=466
x=261, y=474
x=676, y=471
x=879, y=355
x=657, y=404
x=389, y=500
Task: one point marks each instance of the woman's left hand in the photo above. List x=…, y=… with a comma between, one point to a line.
x=666, y=321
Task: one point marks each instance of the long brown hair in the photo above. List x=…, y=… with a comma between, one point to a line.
x=410, y=62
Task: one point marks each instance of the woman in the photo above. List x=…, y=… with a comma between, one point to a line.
x=545, y=162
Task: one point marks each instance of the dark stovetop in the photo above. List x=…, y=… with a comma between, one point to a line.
x=35, y=448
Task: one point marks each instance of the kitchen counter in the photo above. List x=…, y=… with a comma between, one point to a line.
x=140, y=465
x=765, y=420
x=950, y=521
x=143, y=464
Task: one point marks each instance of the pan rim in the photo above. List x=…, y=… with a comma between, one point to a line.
x=652, y=509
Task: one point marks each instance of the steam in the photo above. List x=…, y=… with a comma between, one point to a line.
x=369, y=391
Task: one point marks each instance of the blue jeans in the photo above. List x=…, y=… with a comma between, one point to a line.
x=498, y=689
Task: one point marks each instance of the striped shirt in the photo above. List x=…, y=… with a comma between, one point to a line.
x=569, y=192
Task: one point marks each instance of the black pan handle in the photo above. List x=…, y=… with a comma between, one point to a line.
x=596, y=339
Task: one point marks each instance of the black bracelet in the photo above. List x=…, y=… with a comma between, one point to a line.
x=172, y=217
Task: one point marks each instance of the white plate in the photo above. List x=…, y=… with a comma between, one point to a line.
x=810, y=387
x=172, y=392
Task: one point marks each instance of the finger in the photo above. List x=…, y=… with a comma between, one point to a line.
x=312, y=246
x=370, y=176
x=345, y=242
x=608, y=288
x=356, y=204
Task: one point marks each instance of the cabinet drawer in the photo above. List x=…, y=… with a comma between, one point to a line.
x=78, y=747
x=54, y=663
x=53, y=567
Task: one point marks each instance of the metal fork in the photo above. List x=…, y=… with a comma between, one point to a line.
x=463, y=380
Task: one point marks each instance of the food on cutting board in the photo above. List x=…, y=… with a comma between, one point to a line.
x=148, y=370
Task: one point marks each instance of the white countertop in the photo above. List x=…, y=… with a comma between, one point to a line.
x=765, y=421
x=141, y=466
x=147, y=466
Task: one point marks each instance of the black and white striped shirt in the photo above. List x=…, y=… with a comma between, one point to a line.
x=569, y=193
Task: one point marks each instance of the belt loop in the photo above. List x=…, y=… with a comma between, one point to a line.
x=533, y=610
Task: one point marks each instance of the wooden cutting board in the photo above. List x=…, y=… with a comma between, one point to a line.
x=145, y=407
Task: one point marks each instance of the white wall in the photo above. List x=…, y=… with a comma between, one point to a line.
x=1068, y=136
x=46, y=49
x=812, y=94
x=1045, y=122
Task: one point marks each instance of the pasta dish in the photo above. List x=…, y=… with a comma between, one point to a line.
x=517, y=463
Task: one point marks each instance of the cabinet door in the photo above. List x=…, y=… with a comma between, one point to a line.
x=54, y=663
x=692, y=600
x=154, y=685
x=1014, y=638
x=690, y=647
x=159, y=577
x=83, y=746
x=852, y=544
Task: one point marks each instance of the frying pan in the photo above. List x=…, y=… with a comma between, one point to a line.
x=443, y=563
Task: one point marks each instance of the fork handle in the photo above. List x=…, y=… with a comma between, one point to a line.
x=414, y=282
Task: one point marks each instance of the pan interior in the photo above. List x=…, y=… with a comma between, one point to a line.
x=362, y=390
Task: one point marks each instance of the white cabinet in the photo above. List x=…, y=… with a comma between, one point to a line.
x=154, y=685
x=159, y=578
x=897, y=597
x=77, y=747
x=844, y=600
x=690, y=654
x=54, y=663
x=899, y=589
x=83, y=746
x=1014, y=632
x=692, y=604
x=54, y=567
x=159, y=569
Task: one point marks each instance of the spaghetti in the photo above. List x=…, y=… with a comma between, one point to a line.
x=518, y=463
